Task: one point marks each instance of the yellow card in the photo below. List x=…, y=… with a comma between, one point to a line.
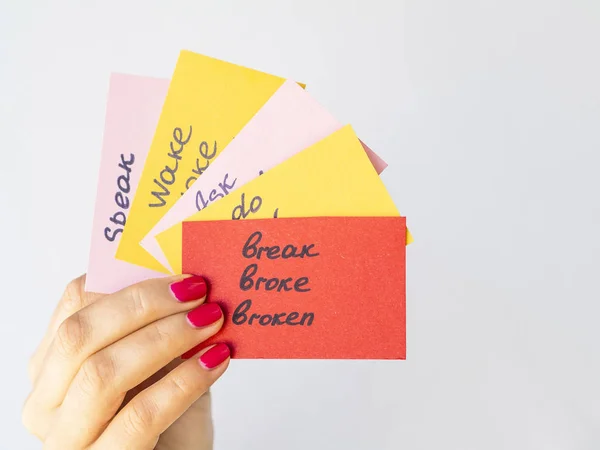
x=208, y=103
x=332, y=178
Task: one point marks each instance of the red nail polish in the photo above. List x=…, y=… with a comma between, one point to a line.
x=204, y=315
x=188, y=289
x=214, y=357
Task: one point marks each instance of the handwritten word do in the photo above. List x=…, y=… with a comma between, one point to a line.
x=242, y=210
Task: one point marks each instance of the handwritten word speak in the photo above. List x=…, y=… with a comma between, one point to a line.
x=122, y=201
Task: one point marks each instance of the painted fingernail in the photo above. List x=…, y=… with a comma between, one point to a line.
x=204, y=315
x=214, y=356
x=188, y=289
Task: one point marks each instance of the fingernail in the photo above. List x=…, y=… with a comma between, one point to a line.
x=204, y=315
x=214, y=356
x=188, y=289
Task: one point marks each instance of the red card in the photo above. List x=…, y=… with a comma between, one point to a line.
x=325, y=287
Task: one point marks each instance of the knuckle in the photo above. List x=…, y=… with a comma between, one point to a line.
x=32, y=368
x=160, y=335
x=51, y=443
x=72, y=299
x=141, y=303
x=71, y=336
x=27, y=418
x=95, y=374
x=29, y=415
x=140, y=417
x=181, y=387
x=55, y=440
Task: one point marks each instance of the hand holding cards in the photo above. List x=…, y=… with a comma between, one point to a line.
x=243, y=178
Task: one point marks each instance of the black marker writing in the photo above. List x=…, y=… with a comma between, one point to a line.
x=240, y=211
x=220, y=191
x=252, y=250
x=206, y=156
x=251, y=281
x=167, y=175
x=247, y=282
x=241, y=316
x=124, y=187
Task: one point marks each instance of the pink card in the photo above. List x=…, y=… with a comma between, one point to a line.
x=289, y=122
x=133, y=109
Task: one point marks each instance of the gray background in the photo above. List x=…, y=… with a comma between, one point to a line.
x=488, y=113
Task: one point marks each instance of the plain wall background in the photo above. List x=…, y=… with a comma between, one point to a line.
x=489, y=115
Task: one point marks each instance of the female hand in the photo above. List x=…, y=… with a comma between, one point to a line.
x=107, y=375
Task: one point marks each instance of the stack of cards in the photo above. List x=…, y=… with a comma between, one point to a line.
x=244, y=178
